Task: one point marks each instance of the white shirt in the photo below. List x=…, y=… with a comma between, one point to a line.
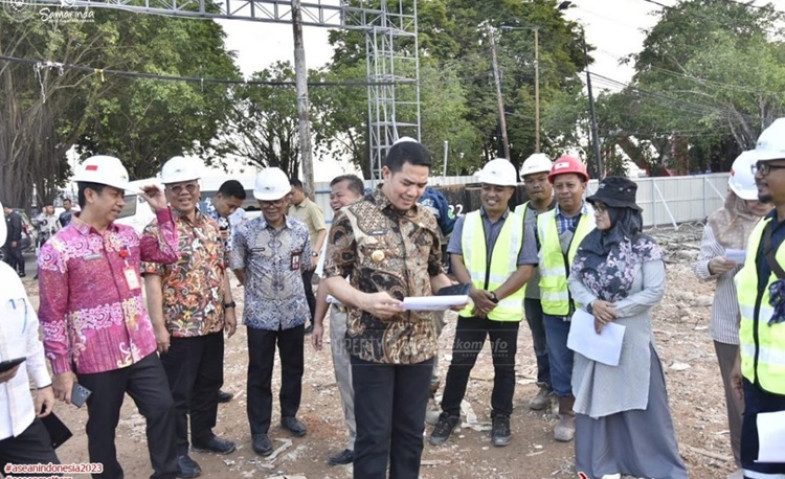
x=19, y=338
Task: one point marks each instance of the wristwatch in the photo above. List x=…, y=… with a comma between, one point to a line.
x=494, y=298
x=230, y=305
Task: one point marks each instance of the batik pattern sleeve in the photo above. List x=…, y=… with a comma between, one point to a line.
x=161, y=248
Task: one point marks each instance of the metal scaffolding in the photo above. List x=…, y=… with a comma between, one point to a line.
x=391, y=45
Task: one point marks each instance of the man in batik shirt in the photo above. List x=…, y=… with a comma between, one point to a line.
x=191, y=305
x=268, y=256
x=95, y=324
x=389, y=247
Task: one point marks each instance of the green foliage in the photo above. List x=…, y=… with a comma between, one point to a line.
x=458, y=97
x=45, y=111
x=709, y=77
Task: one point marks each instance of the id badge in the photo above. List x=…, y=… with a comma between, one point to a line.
x=131, y=278
x=296, y=260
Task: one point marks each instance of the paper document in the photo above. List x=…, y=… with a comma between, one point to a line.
x=604, y=347
x=771, y=437
x=433, y=303
x=736, y=255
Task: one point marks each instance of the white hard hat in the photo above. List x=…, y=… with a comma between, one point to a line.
x=771, y=142
x=3, y=229
x=405, y=139
x=104, y=170
x=536, y=163
x=498, y=172
x=271, y=184
x=179, y=169
x=741, y=180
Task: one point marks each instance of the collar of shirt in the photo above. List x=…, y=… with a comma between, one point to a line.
x=484, y=214
x=84, y=228
x=288, y=222
x=198, y=219
x=302, y=204
x=564, y=223
x=584, y=210
x=554, y=204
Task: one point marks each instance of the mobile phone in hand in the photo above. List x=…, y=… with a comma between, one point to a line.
x=461, y=289
x=79, y=395
x=10, y=364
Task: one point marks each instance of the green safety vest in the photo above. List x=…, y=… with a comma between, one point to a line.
x=762, y=346
x=489, y=275
x=555, y=265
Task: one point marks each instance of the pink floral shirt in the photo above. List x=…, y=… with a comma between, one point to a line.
x=92, y=311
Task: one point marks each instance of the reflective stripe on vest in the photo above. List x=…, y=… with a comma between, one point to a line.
x=762, y=359
x=504, y=262
x=554, y=294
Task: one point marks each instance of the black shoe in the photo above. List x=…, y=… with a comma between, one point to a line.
x=22, y=275
x=308, y=329
x=294, y=426
x=442, y=430
x=261, y=444
x=224, y=396
x=215, y=444
x=500, y=431
x=187, y=467
x=344, y=457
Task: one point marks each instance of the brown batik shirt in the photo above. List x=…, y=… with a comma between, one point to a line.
x=381, y=248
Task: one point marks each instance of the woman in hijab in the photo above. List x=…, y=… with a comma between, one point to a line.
x=728, y=229
x=623, y=423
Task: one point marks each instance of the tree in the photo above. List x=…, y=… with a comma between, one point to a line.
x=708, y=79
x=453, y=43
x=46, y=107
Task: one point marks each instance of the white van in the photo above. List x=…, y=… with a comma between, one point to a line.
x=136, y=212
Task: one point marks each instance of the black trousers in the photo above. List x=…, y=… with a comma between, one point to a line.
x=195, y=370
x=14, y=258
x=146, y=383
x=756, y=401
x=33, y=446
x=470, y=334
x=309, y=296
x=389, y=407
x=261, y=359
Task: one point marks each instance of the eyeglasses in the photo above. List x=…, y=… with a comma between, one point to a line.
x=764, y=168
x=189, y=187
x=600, y=207
x=272, y=204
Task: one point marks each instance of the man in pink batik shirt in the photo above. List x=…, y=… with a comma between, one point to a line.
x=96, y=328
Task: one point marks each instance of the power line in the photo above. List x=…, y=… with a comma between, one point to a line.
x=102, y=72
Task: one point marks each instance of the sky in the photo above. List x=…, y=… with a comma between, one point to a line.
x=616, y=28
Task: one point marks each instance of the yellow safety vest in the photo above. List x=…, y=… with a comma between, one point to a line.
x=554, y=293
x=762, y=346
x=504, y=262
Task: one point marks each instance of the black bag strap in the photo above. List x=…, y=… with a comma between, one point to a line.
x=769, y=252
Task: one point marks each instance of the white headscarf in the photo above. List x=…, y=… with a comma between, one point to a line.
x=3, y=229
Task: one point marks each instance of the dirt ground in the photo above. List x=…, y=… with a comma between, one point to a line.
x=685, y=347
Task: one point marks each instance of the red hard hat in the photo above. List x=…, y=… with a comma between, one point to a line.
x=568, y=164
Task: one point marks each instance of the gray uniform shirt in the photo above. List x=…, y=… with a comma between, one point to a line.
x=527, y=255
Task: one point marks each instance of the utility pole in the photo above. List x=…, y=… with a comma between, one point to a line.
x=596, y=139
x=497, y=80
x=537, y=89
x=301, y=74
